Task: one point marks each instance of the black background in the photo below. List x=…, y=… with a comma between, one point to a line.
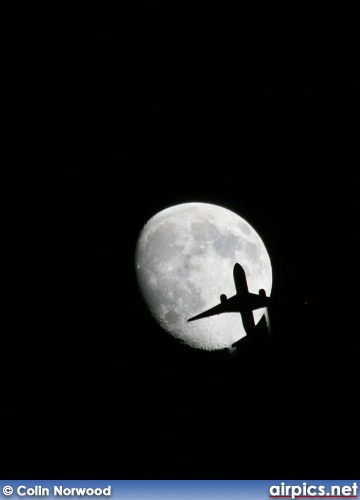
x=116, y=113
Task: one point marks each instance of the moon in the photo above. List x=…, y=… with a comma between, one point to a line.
x=184, y=260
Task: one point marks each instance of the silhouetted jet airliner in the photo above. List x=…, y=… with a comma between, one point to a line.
x=243, y=302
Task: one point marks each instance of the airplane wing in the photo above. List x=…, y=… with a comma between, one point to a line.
x=253, y=301
x=243, y=302
x=226, y=306
x=243, y=305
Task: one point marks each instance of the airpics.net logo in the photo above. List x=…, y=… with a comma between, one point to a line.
x=304, y=490
x=40, y=491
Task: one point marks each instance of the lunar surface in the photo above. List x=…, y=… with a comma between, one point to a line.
x=184, y=261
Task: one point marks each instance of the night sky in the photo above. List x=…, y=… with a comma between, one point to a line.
x=115, y=114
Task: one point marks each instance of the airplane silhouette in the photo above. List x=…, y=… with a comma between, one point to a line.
x=242, y=302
